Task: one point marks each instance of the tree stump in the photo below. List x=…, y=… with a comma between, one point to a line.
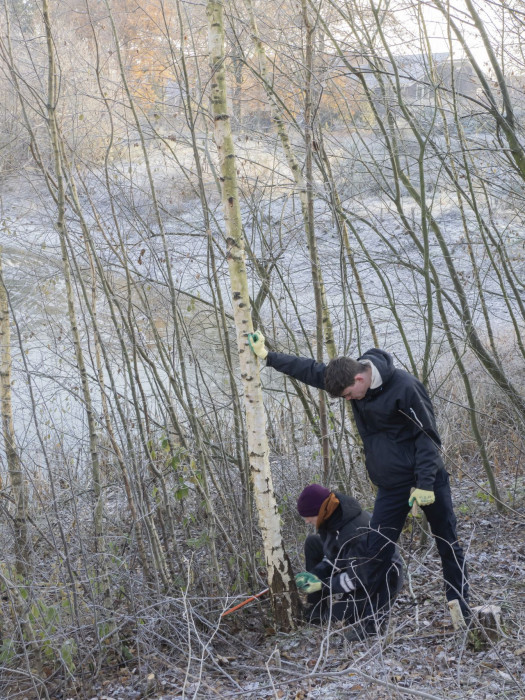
x=489, y=619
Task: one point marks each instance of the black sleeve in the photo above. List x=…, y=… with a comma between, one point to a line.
x=419, y=414
x=348, y=576
x=324, y=570
x=304, y=369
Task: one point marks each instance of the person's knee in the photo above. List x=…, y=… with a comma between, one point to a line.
x=381, y=544
x=449, y=550
x=313, y=551
x=396, y=580
x=313, y=543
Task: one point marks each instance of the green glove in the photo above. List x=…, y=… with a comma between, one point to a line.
x=421, y=497
x=256, y=341
x=308, y=583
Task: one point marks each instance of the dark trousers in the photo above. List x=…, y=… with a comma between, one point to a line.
x=390, y=512
x=355, y=606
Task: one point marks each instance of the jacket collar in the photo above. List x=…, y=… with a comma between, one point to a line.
x=377, y=380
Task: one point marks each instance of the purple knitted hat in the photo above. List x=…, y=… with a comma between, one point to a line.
x=311, y=498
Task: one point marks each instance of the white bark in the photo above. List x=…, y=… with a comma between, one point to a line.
x=18, y=486
x=284, y=594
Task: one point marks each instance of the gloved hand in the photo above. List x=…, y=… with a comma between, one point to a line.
x=421, y=497
x=256, y=341
x=308, y=583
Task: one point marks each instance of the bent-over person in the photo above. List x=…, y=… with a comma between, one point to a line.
x=336, y=562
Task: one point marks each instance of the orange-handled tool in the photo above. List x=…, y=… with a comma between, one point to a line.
x=244, y=602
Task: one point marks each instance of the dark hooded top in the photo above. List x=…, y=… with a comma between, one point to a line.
x=396, y=420
x=344, y=537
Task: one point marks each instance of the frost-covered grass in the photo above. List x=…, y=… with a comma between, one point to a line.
x=178, y=638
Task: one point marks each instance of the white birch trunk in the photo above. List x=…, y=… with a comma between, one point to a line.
x=284, y=594
x=19, y=488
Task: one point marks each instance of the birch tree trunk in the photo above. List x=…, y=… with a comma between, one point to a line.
x=285, y=600
x=19, y=489
x=13, y=459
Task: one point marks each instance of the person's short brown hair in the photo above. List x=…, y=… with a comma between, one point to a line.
x=340, y=374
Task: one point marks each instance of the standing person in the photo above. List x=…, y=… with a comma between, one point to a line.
x=336, y=562
x=395, y=419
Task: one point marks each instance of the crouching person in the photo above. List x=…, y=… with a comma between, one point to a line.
x=336, y=579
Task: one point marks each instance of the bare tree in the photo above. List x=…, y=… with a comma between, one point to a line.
x=14, y=465
x=284, y=593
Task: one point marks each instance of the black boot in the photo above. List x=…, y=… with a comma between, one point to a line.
x=360, y=631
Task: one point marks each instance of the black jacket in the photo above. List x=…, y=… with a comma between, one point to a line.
x=344, y=537
x=396, y=421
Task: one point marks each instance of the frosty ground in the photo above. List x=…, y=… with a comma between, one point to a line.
x=243, y=656
x=419, y=656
